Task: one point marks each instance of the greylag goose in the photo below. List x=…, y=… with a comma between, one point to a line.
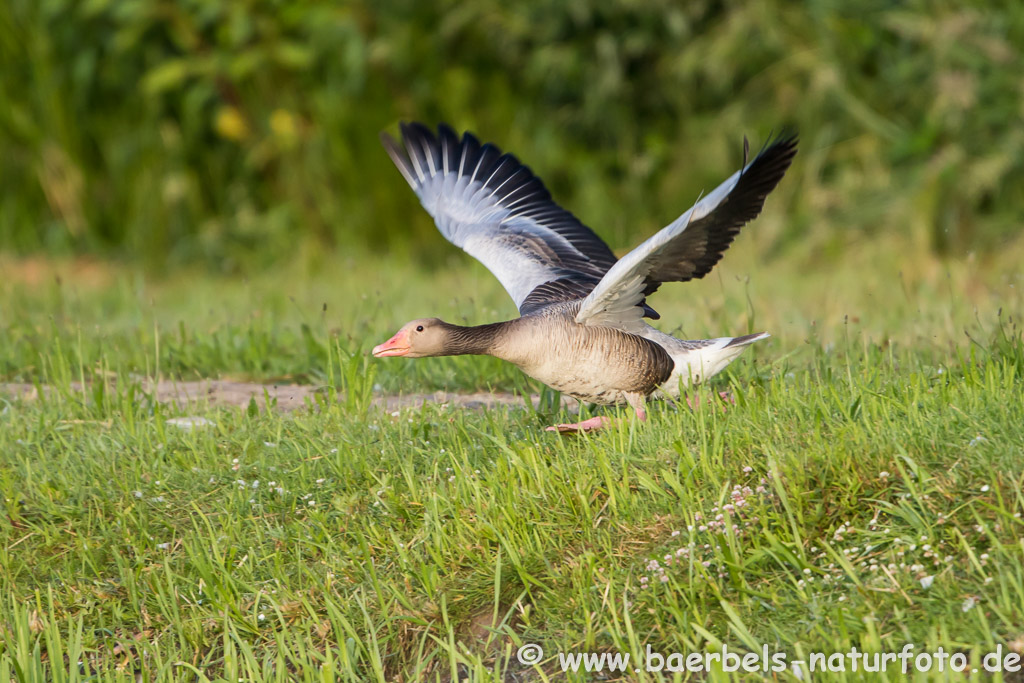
x=581, y=328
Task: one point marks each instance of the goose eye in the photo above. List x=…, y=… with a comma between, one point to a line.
x=419, y=328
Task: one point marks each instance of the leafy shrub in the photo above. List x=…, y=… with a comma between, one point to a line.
x=231, y=132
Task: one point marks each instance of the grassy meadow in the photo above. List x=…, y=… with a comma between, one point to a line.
x=875, y=445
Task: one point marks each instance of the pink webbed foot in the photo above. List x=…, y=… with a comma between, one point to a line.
x=725, y=396
x=590, y=425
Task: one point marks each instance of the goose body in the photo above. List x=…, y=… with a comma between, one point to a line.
x=581, y=328
x=581, y=367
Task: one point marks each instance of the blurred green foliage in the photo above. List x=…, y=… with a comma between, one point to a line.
x=234, y=133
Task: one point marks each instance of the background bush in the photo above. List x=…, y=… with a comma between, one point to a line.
x=233, y=133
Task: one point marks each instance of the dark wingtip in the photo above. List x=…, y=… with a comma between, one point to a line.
x=747, y=339
x=772, y=162
x=785, y=141
x=444, y=129
x=416, y=130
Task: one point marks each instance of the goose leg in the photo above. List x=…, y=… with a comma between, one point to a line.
x=636, y=402
x=590, y=425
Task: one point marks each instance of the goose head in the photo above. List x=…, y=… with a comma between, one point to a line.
x=417, y=339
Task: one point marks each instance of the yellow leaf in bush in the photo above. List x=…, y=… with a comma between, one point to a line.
x=283, y=124
x=231, y=124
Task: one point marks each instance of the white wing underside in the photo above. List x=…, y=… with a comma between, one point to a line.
x=494, y=208
x=510, y=246
x=614, y=302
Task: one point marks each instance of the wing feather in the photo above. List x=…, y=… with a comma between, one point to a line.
x=690, y=246
x=494, y=208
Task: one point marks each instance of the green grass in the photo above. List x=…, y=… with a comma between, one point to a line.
x=879, y=427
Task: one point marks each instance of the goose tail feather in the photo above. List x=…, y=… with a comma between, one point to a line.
x=700, y=361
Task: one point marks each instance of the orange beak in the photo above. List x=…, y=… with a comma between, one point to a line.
x=396, y=346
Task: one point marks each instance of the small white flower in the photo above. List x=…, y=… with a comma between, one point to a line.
x=883, y=475
x=311, y=503
x=261, y=617
x=137, y=494
x=968, y=604
x=927, y=581
x=984, y=489
x=189, y=423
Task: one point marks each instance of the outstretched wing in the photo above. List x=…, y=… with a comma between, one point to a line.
x=494, y=208
x=691, y=245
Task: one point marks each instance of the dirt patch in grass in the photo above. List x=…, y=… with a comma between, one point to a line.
x=286, y=397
